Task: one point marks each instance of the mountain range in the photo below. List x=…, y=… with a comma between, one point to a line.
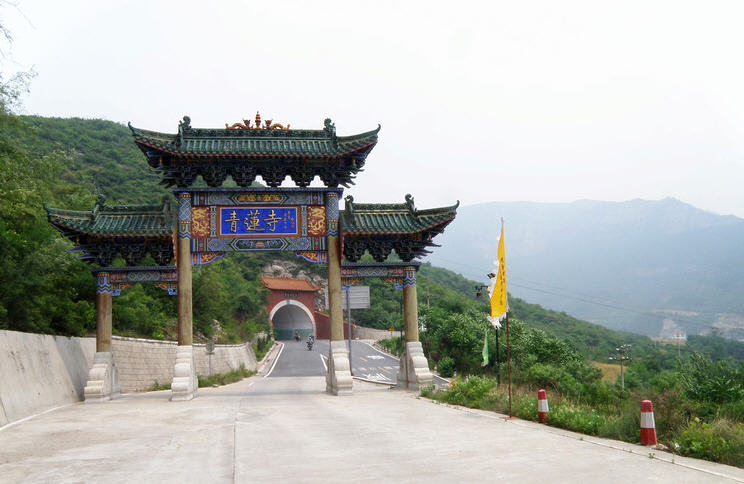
x=654, y=267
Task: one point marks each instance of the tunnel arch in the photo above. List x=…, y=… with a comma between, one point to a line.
x=289, y=316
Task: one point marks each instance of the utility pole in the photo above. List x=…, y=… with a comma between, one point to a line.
x=622, y=351
x=348, y=317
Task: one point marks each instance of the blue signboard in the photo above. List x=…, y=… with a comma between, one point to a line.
x=258, y=221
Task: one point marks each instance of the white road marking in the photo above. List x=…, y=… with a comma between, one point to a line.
x=377, y=377
x=323, y=359
x=389, y=367
x=276, y=360
x=398, y=359
x=375, y=357
x=361, y=368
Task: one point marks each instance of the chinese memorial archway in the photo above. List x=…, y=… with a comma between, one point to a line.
x=209, y=223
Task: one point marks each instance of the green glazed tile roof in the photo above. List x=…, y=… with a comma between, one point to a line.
x=403, y=218
x=115, y=221
x=257, y=143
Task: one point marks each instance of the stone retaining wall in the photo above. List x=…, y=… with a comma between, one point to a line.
x=39, y=372
x=142, y=362
x=360, y=332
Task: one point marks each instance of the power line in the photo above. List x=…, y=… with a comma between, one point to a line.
x=646, y=313
x=600, y=300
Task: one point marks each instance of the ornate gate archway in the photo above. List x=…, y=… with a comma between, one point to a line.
x=211, y=222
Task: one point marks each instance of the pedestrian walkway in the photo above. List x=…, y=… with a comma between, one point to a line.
x=289, y=430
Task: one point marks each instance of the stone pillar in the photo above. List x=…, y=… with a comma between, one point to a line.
x=103, y=377
x=184, y=384
x=414, y=368
x=338, y=378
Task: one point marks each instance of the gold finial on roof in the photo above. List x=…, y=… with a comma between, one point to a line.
x=246, y=124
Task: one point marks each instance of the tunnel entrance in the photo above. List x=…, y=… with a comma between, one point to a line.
x=291, y=318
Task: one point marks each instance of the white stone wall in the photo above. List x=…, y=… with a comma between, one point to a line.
x=39, y=372
x=141, y=362
x=225, y=358
x=361, y=332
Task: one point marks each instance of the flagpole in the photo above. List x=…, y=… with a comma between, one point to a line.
x=508, y=363
x=498, y=362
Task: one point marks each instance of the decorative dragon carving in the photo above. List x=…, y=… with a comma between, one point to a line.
x=246, y=124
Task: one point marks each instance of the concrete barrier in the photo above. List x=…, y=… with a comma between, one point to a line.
x=39, y=372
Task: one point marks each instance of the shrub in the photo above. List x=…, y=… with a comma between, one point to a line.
x=625, y=427
x=708, y=381
x=262, y=346
x=720, y=441
x=225, y=378
x=446, y=366
x=671, y=411
x=577, y=418
x=469, y=392
x=733, y=411
x=393, y=345
x=523, y=406
x=157, y=386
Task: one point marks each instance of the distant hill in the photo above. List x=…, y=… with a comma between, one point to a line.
x=649, y=267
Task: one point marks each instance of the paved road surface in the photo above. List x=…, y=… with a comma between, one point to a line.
x=366, y=362
x=287, y=429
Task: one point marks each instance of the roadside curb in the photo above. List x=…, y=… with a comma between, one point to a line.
x=265, y=365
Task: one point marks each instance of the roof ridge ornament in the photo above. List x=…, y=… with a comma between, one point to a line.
x=411, y=206
x=349, y=206
x=246, y=125
x=99, y=206
x=330, y=130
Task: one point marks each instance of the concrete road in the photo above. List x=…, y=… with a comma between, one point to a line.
x=287, y=429
x=367, y=363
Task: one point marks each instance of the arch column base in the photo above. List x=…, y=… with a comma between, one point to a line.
x=103, y=379
x=338, y=376
x=185, y=383
x=414, y=368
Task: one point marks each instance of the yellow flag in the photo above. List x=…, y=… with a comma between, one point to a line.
x=499, y=305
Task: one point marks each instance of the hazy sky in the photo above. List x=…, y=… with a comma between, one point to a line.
x=478, y=101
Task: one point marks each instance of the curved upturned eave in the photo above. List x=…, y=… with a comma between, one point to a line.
x=166, y=143
x=148, y=147
x=438, y=225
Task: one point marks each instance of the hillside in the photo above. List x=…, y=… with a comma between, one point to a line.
x=100, y=156
x=643, y=266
